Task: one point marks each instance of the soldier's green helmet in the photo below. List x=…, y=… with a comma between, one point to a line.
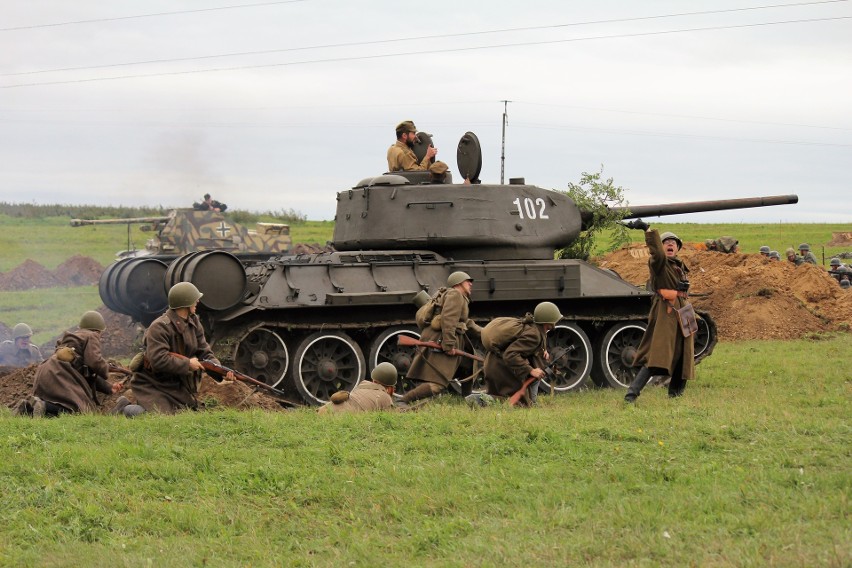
x=547, y=312
x=764, y=250
x=774, y=254
x=834, y=262
x=21, y=330
x=384, y=374
x=421, y=298
x=805, y=247
x=457, y=278
x=92, y=320
x=669, y=235
x=183, y=295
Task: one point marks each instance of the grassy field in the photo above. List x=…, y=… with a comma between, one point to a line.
x=750, y=468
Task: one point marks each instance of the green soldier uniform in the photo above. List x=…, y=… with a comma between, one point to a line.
x=368, y=395
x=166, y=383
x=436, y=368
x=515, y=347
x=807, y=255
x=793, y=257
x=663, y=349
x=71, y=378
x=19, y=352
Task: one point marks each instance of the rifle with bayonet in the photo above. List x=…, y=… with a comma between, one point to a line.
x=408, y=341
x=220, y=371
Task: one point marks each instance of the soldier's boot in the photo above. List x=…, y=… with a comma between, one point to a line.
x=23, y=408
x=120, y=405
x=676, y=387
x=637, y=384
x=423, y=390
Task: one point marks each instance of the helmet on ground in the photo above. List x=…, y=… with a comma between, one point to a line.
x=834, y=262
x=669, y=235
x=183, y=295
x=764, y=250
x=384, y=374
x=92, y=320
x=774, y=254
x=805, y=247
x=21, y=330
x=546, y=312
x=844, y=284
x=457, y=278
x=421, y=298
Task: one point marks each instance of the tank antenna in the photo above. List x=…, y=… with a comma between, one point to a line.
x=503, y=148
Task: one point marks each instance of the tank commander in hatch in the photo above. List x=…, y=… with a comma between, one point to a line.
x=401, y=157
x=19, y=351
x=209, y=204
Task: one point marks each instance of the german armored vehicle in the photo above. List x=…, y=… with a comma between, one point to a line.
x=317, y=323
x=186, y=230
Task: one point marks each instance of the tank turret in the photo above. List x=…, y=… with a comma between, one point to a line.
x=187, y=230
x=318, y=323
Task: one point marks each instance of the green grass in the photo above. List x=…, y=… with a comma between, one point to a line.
x=750, y=468
x=48, y=311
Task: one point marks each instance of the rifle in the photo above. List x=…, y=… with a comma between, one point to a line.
x=549, y=374
x=220, y=370
x=408, y=341
x=113, y=368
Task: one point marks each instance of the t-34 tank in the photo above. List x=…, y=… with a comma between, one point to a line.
x=187, y=230
x=318, y=323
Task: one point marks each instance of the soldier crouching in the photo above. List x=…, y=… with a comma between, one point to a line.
x=433, y=369
x=166, y=383
x=68, y=382
x=517, y=350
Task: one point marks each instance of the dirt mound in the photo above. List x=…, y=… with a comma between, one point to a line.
x=76, y=271
x=749, y=296
x=841, y=239
x=16, y=384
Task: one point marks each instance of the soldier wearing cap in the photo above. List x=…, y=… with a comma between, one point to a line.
x=70, y=379
x=792, y=257
x=19, y=351
x=807, y=255
x=438, y=172
x=450, y=325
x=519, y=352
x=375, y=394
x=765, y=250
x=401, y=157
x=166, y=383
x=664, y=350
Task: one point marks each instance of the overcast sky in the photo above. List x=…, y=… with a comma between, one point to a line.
x=279, y=105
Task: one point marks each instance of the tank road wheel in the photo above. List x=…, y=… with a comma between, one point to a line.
x=572, y=369
x=703, y=337
x=614, y=354
x=384, y=348
x=263, y=355
x=327, y=362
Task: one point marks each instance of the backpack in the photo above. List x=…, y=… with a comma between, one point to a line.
x=430, y=309
x=500, y=332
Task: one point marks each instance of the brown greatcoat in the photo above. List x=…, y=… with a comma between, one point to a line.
x=403, y=158
x=436, y=366
x=365, y=397
x=508, y=365
x=73, y=385
x=166, y=383
x=663, y=343
x=11, y=356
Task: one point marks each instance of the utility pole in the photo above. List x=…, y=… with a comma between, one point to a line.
x=503, y=148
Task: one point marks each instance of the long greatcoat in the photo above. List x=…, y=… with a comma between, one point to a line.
x=507, y=366
x=365, y=397
x=73, y=385
x=165, y=383
x=436, y=366
x=663, y=343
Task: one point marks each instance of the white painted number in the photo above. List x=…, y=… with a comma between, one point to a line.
x=529, y=207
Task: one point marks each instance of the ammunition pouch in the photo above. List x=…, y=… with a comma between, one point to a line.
x=436, y=323
x=66, y=354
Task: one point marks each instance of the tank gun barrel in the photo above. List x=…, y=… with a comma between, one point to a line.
x=637, y=211
x=128, y=221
